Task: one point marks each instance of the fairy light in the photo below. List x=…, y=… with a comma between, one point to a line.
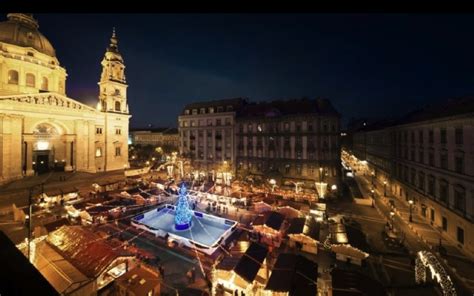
x=425, y=260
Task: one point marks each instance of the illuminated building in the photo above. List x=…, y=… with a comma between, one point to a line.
x=291, y=141
x=426, y=157
x=165, y=137
x=40, y=127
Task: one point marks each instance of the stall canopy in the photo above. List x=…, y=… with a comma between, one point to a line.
x=293, y=274
x=349, y=251
x=275, y=220
x=305, y=226
x=250, y=263
x=289, y=212
x=84, y=249
x=261, y=207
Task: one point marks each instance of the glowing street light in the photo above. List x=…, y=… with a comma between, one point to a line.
x=391, y=218
x=385, y=188
x=411, y=204
x=273, y=183
x=147, y=162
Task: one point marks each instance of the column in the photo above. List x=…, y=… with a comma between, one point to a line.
x=68, y=166
x=29, y=158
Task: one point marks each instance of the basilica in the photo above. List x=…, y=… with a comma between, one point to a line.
x=41, y=128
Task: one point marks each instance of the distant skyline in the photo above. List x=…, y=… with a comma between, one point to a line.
x=368, y=65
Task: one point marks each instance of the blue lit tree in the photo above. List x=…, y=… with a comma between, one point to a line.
x=183, y=212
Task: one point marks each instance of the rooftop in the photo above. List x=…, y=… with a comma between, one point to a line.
x=139, y=280
x=164, y=130
x=294, y=274
x=447, y=108
x=306, y=226
x=84, y=249
x=236, y=252
x=16, y=268
x=250, y=263
x=288, y=107
x=271, y=219
x=235, y=102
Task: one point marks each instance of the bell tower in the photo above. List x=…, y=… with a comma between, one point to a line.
x=112, y=85
x=113, y=105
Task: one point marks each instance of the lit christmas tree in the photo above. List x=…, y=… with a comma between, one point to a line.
x=183, y=213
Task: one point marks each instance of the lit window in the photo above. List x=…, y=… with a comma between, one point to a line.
x=44, y=83
x=117, y=151
x=13, y=77
x=98, y=152
x=30, y=80
x=117, y=106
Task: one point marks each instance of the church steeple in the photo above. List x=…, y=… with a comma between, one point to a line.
x=113, y=87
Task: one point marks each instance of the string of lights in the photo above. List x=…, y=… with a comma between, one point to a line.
x=425, y=260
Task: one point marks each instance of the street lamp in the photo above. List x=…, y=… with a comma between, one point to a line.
x=411, y=204
x=373, y=177
x=273, y=183
x=391, y=219
x=385, y=188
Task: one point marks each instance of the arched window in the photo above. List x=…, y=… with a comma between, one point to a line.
x=104, y=106
x=117, y=106
x=13, y=77
x=44, y=84
x=30, y=80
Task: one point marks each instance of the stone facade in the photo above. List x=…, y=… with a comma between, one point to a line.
x=156, y=137
x=206, y=131
x=429, y=158
x=40, y=127
x=291, y=141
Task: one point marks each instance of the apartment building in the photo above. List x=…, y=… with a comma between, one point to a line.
x=428, y=157
x=289, y=141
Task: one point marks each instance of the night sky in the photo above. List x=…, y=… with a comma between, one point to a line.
x=376, y=65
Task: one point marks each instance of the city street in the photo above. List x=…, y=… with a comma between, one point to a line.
x=412, y=241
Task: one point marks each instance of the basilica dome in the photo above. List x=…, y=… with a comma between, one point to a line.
x=22, y=29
